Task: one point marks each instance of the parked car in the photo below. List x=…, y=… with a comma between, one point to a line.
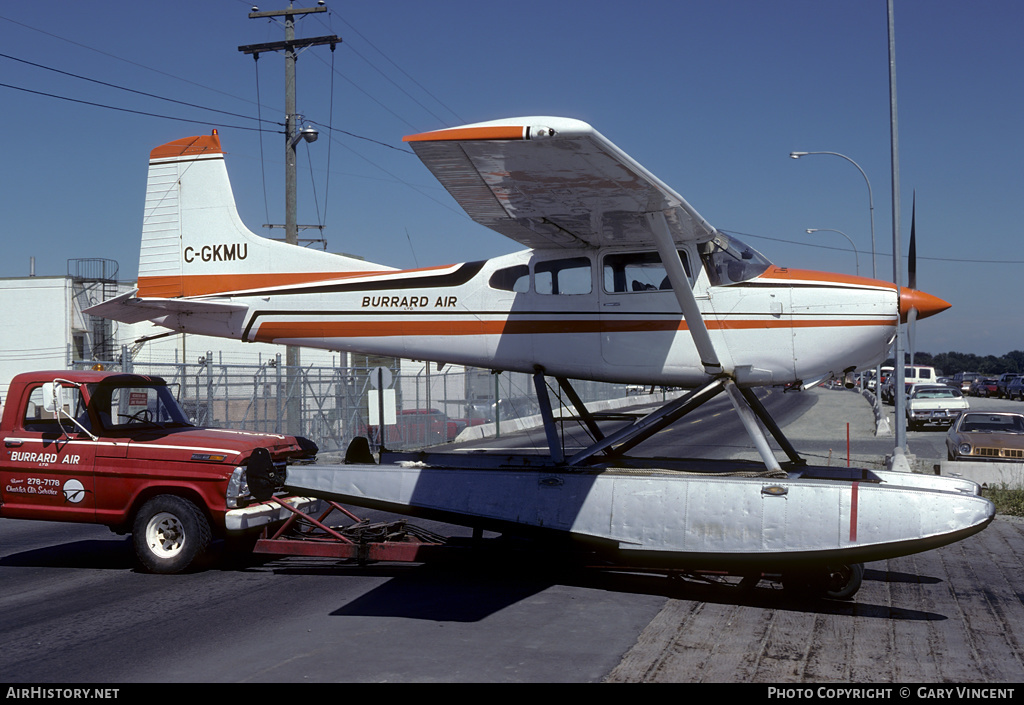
x=986, y=435
x=983, y=387
x=415, y=428
x=933, y=404
x=912, y=374
x=1003, y=381
x=964, y=379
x=1015, y=389
x=885, y=371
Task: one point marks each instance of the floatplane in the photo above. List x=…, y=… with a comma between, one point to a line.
x=621, y=280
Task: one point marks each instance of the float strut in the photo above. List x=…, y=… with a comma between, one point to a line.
x=554, y=445
x=773, y=427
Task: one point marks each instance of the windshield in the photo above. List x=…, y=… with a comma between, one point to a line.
x=728, y=261
x=992, y=423
x=129, y=407
x=937, y=394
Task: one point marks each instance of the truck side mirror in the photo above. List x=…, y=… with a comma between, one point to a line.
x=60, y=401
x=53, y=398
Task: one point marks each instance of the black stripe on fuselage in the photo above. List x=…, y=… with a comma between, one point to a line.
x=460, y=276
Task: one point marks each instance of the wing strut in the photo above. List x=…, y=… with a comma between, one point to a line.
x=702, y=340
x=684, y=294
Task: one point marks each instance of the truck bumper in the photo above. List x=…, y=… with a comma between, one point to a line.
x=257, y=515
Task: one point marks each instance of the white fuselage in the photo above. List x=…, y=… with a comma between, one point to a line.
x=568, y=315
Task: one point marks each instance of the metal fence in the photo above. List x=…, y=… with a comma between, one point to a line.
x=331, y=405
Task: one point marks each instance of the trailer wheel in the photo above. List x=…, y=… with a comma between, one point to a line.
x=169, y=534
x=843, y=581
x=838, y=582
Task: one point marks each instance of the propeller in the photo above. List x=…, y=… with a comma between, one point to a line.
x=912, y=313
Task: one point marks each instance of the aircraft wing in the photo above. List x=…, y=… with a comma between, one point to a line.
x=553, y=182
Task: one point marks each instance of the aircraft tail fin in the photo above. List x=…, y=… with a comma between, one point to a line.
x=195, y=244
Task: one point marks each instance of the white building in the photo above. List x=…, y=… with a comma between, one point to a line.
x=43, y=328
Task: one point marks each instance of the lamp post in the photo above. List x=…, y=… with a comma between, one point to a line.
x=871, y=199
x=883, y=424
x=830, y=230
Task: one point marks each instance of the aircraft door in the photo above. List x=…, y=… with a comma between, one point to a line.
x=640, y=315
x=551, y=321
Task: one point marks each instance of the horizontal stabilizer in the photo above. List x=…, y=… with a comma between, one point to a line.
x=129, y=308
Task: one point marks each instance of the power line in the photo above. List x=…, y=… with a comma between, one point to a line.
x=880, y=254
x=122, y=59
x=332, y=13
x=132, y=90
x=129, y=110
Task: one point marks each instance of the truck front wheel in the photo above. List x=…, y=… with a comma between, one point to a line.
x=169, y=533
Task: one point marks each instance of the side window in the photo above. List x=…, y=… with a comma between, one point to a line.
x=638, y=271
x=38, y=419
x=515, y=279
x=563, y=276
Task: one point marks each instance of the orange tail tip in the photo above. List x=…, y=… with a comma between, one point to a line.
x=189, y=146
x=926, y=304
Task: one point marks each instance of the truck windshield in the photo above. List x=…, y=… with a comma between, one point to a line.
x=128, y=407
x=728, y=261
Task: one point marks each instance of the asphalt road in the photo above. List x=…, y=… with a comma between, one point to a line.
x=75, y=610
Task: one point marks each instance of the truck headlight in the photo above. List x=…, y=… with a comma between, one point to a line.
x=238, y=488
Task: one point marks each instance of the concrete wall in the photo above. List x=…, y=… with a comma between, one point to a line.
x=993, y=474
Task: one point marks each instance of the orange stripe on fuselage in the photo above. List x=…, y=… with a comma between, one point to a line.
x=279, y=330
x=207, y=284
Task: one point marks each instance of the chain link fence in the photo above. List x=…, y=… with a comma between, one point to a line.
x=331, y=405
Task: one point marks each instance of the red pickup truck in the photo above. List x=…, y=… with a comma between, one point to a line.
x=117, y=449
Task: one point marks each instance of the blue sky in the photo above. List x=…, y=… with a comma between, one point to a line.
x=710, y=96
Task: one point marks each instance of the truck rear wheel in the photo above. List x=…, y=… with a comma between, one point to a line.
x=169, y=533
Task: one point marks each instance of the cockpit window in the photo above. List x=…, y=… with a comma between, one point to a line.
x=728, y=261
x=638, y=271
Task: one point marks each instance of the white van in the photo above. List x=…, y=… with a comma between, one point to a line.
x=912, y=374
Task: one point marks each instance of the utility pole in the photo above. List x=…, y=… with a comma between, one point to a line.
x=289, y=46
x=900, y=461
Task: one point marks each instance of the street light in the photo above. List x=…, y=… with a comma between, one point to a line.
x=871, y=199
x=882, y=426
x=830, y=230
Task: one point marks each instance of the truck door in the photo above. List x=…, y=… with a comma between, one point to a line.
x=47, y=470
